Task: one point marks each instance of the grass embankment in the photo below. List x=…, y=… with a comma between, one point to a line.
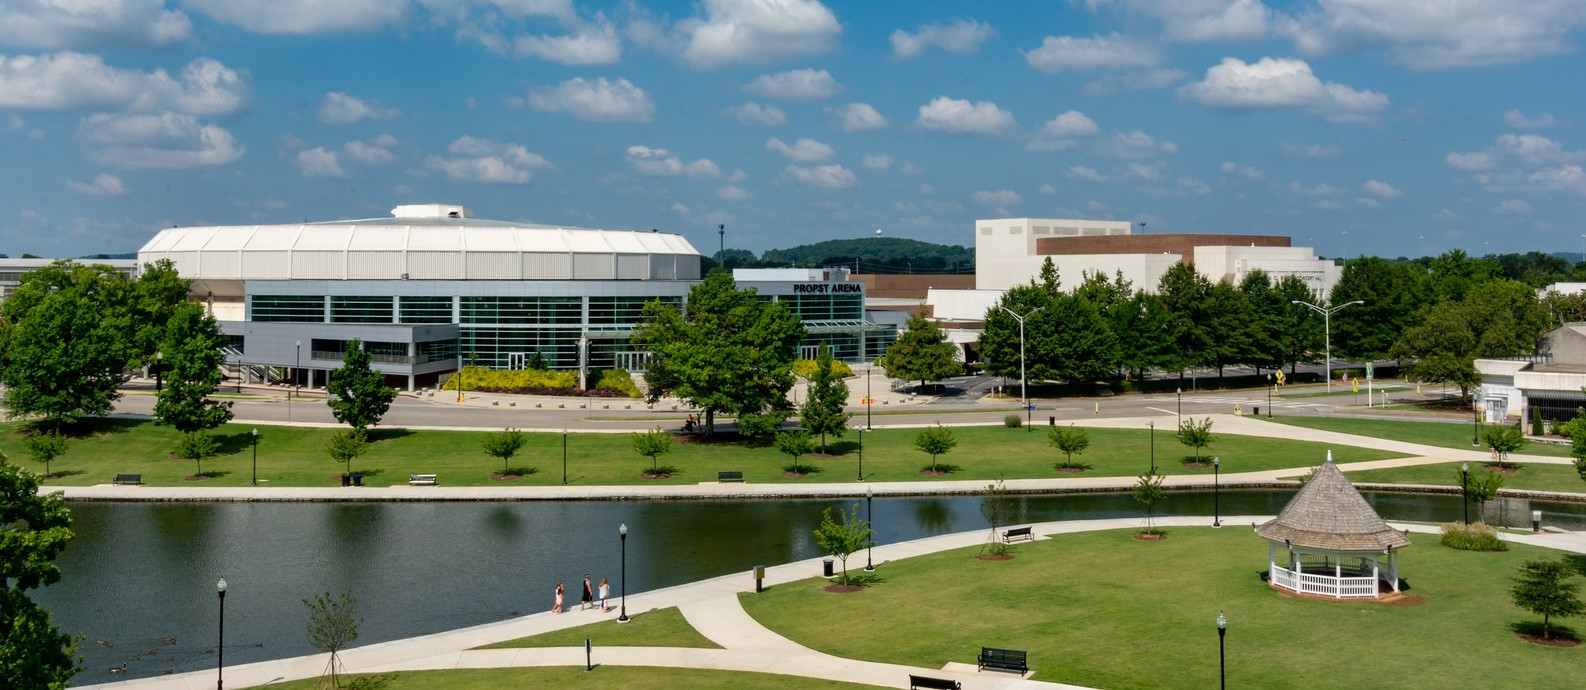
x=295, y=456
x=1440, y=434
x=1532, y=477
x=660, y=628
x=1103, y=610
x=616, y=677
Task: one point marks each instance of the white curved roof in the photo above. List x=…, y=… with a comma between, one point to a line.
x=422, y=242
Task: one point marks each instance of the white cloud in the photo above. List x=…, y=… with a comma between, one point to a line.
x=732, y=193
x=1062, y=132
x=679, y=208
x=1137, y=80
x=591, y=44
x=756, y=115
x=1248, y=172
x=1282, y=83
x=1446, y=214
x=857, y=117
x=1134, y=144
x=1518, y=120
x=318, y=162
x=374, y=152
x=663, y=163
x=91, y=24
x=927, y=189
x=1113, y=51
x=484, y=160
x=802, y=151
x=911, y=169
x=340, y=109
x=302, y=16
x=757, y=31
x=1368, y=202
x=1318, y=190
x=1535, y=149
x=168, y=140
x=962, y=36
x=1514, y=206
x=1000, y=197
x=596, y=101
x=1198, y=21
x=1566, y=178
x=825, y=176
x=703, y=168
x=1080, y=172
x=957, y=116
x=795, y=85
x=877, y=162
x=1382, y=189
x=1316, y=151
x=1048, y=189
x=1439, y=34
x=68, y=80
x=1154, y=172
x=103, y=184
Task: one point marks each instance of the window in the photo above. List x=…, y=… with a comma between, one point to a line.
x=567, y=311
x=623, y=310
x=287, y=308
x=353, y=309
x=425, y=309
x=825, y=307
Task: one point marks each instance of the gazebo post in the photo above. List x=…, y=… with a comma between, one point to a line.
x=1393, y=567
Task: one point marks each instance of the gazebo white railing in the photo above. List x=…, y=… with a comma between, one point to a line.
x=1332, y=573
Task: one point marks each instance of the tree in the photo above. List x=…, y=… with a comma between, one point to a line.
x=503, y=444
x=153, y=300
x=1068, y=441
x=934, y=441
x=1297, y=330
x=1148, y=492
x=652, y=444
x=66, y=341
x=192, y=354
x=1233, y=319
x=1185, y=296
x=796, y=444
x=1481, y=490
x=195, y=446
x=1392, y=293
x=1503, y=440
x=356, y=393
x=34, y=530
x=840, y=538
x=823, y=412
x=995, y=506
x=921, y=353
x=1084, y=347
x=1197, y=435
x=332, y=626
x=344, y=446
x=1548, y=588
x=726, y=351
x=999, y=337
x=44, y=446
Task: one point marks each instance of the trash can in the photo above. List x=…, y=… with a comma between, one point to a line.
x=1051, y=421
x=357, y=479
x=826, y=567
x=1257, y=408
x=346, y=479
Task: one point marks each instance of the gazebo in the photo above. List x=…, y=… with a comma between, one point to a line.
x=1328, y=541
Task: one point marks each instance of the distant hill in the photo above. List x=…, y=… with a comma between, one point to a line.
x=874, y=255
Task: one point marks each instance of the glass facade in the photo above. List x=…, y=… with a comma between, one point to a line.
x=610, y=311
x=287, y=308
x=825, y=307
x=559, y=311
x=361, y=309
x=425, y=309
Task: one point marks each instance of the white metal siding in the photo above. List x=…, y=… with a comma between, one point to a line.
x=320, y=265
x=494, y=266
x=265, y=265
x=593, y=267
x=663, y=267
x=435, y=265
x=213, y=264
x=633, y=266
x=542, y=266
x=186, y=263
x=375, y=265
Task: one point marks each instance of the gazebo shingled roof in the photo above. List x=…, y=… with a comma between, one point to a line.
x=1330, y=514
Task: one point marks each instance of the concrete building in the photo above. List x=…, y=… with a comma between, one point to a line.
x=12, y=270
x=1550, y=380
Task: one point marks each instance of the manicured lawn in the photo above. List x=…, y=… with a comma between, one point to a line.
x=617, y=677
x=1103, y=610
x=1441, y=434
x=662, y=628
x=293, y=456
x=1534, y=477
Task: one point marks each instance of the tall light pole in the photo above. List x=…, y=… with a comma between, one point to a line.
x=1152, y=423
x=1178, y=430
x=1475, y=420
x=721, y=251
x=1269, y=395
x=869, y=517
x=1141, y=223
x=220, y=649
x=868, y=402
x=1222, y=665
x=1464, y=489
x=1327, y=331
x=256, y=456
x=861, y=476
x=622, y=532
x=564, y=456
x=1024, y=384
x=1217, y=493
x=159, y=361
x=296, y=367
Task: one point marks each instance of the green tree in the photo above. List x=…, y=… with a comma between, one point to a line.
x=1186, y=298
x=1068, y=440
x=193, y=357
x=934, y=441
x=34, y=530
x=1296, y=329
x=154, y=299
x=1237, y=325
x=1494, y=319
x=344, y=446
x=1481, y=490
x=921, y=353
x=996, y=506
x=652, y=444
x=1548, y=588
x=503, y=444
x=841, y=537
x=999, y=337
x=823, y=411
x=1392, y=292
x=195, y=446
x=44, y=446
x=795, y=444
x=1148, y=492
x=332, y=626
x=725, y=352
x=357, y=394
x=66, y=337
x=1084, y=347
x=1197, y=435
x=1503, y=440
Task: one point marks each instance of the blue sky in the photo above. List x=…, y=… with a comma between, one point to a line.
x=1386, y=127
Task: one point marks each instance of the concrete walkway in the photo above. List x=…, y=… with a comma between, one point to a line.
x=711, y=607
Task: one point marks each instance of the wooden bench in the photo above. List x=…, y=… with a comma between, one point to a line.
x=421, y=480
x=933, y=683
x=1003, y=660
x=1018, y=533
x=729, y=476
x=129, y=479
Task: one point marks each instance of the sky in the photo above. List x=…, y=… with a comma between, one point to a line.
x=1359, y=127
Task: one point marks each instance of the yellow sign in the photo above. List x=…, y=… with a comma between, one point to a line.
x=1357, y=384
x=1280, y=377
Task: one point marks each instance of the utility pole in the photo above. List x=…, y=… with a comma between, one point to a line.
x=1024, y=384
x=1327, y=331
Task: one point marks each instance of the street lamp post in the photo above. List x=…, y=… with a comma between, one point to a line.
x=1222, y=664
x=1464, y=489
x=564, y=457
x=1152, y=423
x=868, y=400
x=256, y=456
x=869, y=517
x=622, y=532
x=1217, y=493
x=1024, y=384
x=295, y=368
x=1269, y=395
x=220, y=649
x=1475, y=421
x=861, y=476
x=1327, y=331
x=159, y=360
x=1177, y=431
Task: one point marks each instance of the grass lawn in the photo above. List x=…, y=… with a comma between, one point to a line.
x=1441, y=434
x=1534, y=477
x=576, y=677
x=1101, y=609
x=295, y=456
x=661, y=628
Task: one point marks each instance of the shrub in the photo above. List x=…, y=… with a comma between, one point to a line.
x=618, y=380
x=1013, y=421
x=476, y=378
x=1571, y=428
x=805, y=368
x=1536, y=421
x=1477, y=536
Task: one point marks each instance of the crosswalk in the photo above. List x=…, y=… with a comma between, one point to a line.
x=1244, y=402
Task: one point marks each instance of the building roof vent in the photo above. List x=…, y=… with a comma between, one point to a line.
x=432, y=211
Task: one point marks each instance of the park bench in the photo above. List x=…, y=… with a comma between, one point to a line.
x=421, y=480
x=1017, y=533
x=933, y=683
x=129, y=479
x=732, y=476
x=1003, y=659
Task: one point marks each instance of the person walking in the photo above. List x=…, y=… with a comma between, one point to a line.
x=589, y=595
x=558, y=607
x=605, y=592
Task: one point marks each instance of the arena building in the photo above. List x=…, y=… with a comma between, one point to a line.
x=433, y=287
